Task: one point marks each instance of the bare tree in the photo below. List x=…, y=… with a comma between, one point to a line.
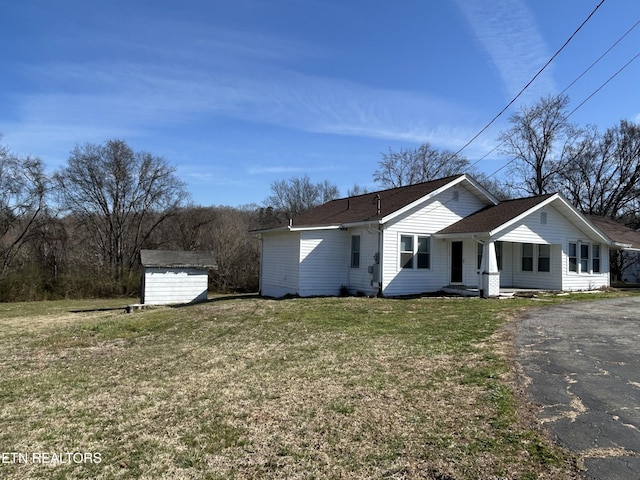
x=422, y=164
x=540, y=144
x=297, y=195
x=119, y=197
x=23, y=189
x=604, y=176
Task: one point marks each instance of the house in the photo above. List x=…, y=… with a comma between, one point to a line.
x=628, y=242
x=425, y=237
x=174, y=276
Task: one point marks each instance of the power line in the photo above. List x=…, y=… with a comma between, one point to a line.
x=602, y=86
x=606, y=52
x=601, y=57
x=580, y=105
x=530, y=81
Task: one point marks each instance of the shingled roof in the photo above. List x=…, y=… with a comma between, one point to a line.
x=492, y=217
x=177, y=259
x=624, y=236
x=363, y=208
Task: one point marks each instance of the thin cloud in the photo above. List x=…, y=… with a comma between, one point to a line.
x=118, y=96
x=507, y=32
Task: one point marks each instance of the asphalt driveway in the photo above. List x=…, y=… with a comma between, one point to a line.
x=583, y=362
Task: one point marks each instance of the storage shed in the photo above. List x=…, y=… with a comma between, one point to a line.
x=174, y=276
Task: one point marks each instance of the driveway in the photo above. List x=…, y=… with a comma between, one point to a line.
x=583, y=362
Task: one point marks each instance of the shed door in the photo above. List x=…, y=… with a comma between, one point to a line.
x=456, y=262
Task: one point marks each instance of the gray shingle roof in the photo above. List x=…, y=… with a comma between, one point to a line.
x=363, y=208
x=177, y=259
x=617, y=232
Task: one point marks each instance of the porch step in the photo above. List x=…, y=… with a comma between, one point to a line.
x=461, y=290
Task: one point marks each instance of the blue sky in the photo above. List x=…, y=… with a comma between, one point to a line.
x=238, y=94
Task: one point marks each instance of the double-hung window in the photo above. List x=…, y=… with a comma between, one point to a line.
x=595, y=261
x=536, y=258
x=355, y=251
x=406, y=251
x=544, y=258
x=415, y=251
x=527, y=257
x=573, y=257
x=424, y=252
x=584, y=258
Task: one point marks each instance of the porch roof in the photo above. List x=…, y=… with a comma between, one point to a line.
x=493, y=217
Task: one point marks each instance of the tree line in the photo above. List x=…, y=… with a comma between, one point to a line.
x=79, y=232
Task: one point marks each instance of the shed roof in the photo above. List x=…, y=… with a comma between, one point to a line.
x=177, y=259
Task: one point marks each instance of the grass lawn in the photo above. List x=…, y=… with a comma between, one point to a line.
x=256, y=388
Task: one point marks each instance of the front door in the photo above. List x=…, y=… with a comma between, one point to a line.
x=456, y=262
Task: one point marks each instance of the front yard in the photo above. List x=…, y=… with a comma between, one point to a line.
x=254, y=388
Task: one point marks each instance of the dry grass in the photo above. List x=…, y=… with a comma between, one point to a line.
x=254, y=388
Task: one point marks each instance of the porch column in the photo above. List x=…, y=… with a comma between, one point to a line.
x=490, y=272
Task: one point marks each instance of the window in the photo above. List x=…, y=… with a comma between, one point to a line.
x=355, y=251
x=584, y=258
x=573, y=257
x=424, y=255
x=406, y=251
x=596, y=259
x=455, y=195
x=527, y=257
x=544, y=258
x=415, y=251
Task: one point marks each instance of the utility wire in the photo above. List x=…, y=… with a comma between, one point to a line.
x=491, y=122
x=580, y=105
x=601, y=57
x=573, y=83
x=602, y=86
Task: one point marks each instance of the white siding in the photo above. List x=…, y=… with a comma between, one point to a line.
x=280, y=264
x=324, y=262
x=558, y=231
x=427, y=219
x=164, y=285
x=543, y=280
x=585, y=281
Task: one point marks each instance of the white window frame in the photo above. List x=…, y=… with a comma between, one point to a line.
x=355, y=254
x=581, y=261
x=594, y=258
x=535, y=258
x=415, y=241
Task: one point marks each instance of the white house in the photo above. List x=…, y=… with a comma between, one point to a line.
x=174, y=276
x=425, y=237
x=628, y=242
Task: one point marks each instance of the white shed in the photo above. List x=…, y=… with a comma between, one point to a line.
x=174, y=276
